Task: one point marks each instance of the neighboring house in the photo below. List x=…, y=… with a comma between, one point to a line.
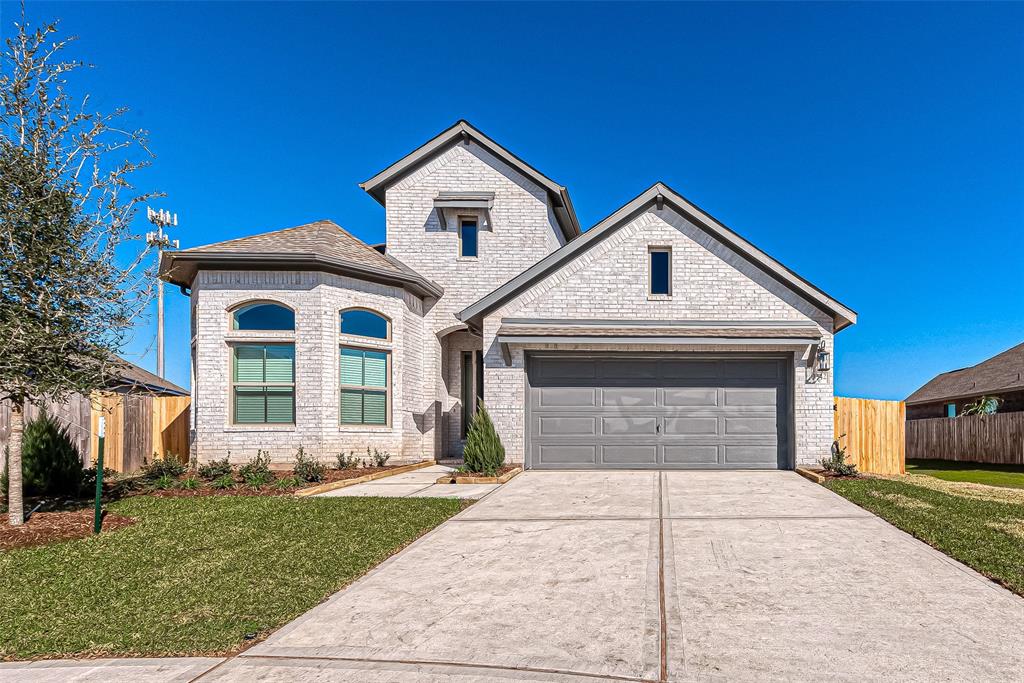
x=1001, y=376
x=657, y=338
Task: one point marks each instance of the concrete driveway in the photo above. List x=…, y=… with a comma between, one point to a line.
x=579, y=576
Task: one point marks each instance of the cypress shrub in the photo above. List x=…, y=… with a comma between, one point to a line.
x=484, y=451
x=50, y=463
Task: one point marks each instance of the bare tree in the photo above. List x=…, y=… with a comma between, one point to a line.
x=72, y=282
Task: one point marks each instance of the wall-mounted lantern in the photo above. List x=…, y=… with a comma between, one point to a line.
x=823, y=360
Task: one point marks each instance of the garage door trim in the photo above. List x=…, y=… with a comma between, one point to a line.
x=786, y=427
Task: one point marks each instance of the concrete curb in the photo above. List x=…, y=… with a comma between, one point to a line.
x=455, y=478
x=344, y=483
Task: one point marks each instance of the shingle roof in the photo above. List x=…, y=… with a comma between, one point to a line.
x=1002, y=372
x=131, y=377
x=320, y=244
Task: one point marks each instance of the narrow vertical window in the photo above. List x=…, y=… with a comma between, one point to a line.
x=661, y=271
x=950, y=410
x=263, y=383
x=468, y=234
x=467, y=390
x=479, y=356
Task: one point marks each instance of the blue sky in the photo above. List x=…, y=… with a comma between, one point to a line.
x=875, y=149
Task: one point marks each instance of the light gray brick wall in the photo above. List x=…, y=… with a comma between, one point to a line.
x=709, y=282
x=317, y=299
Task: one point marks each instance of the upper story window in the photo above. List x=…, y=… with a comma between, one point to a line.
x=660, y=271
x=263, y=316
x=468, y=237
x=363, y=323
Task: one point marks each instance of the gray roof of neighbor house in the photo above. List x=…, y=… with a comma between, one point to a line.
x=659, y=195
x=1000, y=373
x=463, y=131
x=320, y=245
x=130, y=377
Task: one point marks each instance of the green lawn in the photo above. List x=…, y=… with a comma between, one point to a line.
x=986, y=533
x=1011, y=476
x=195, y=575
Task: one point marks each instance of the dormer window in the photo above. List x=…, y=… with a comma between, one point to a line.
x=469, y=235
x=660, y=279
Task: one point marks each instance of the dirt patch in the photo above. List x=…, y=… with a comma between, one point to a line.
x=903, y=501
x=43, y=528
x=995, y=494
x=1015, y=528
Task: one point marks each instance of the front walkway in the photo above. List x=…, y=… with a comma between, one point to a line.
x=643, y=576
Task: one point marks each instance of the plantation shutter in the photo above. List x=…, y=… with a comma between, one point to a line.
x=364, y=380
x=280, y=404
x=280, y=368
x=248, y=363
x=352, y=367
x=375, y=407
x=375, y=369
x=249, y=404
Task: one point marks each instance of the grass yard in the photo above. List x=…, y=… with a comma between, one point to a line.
x=982, y=529
x=197, y=575
x=1011, y=476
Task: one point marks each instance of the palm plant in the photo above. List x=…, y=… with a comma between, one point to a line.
x=986, y=405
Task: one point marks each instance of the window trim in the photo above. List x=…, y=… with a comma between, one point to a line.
x=232, y=384
x=233, y=309
x=476, y=222
x=651, y=250
x=388, y=385
x=387, y=321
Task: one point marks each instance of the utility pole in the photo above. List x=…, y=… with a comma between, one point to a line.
x=161, y=219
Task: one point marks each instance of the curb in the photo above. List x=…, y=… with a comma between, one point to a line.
x=344, y=483
x=457, y=479
x=810, y=474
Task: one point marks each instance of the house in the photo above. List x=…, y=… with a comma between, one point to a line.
x=657, y=338
x=945, y=395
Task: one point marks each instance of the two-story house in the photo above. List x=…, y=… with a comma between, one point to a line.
x=658, y=338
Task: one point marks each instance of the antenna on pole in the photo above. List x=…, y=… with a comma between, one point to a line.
x=161, y=219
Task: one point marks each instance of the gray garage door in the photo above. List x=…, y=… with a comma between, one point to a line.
x=656, y=411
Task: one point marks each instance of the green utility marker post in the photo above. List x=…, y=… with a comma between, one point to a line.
x=97, y=518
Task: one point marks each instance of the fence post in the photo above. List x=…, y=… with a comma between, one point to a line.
x=97, y=517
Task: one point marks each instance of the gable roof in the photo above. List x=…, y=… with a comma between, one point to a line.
x=1002, y=372
x=463, y=131
x=320, y=245
x=129, y=377
x=659, y=194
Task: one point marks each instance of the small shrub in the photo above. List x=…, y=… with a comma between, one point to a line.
x=189, y=483
x=89, y=479
x=225, y=481
x=164, y=482
x=484, y=451
x=307, y=468
x=346, y=461
x=167, y=466
x=289, y=483
x=378, y=458
x=50, y=463
x=257, y=468
x=836, y=463
x=215, y=469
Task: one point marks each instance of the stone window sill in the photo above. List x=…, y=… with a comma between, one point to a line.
x=260, y=428
x=659, y=297
x=371, y=429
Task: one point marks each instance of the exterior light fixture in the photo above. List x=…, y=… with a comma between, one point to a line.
x=823, y=359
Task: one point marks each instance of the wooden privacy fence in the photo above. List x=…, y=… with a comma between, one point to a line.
x=996, y=439
x=872, y=433
x=140, y=428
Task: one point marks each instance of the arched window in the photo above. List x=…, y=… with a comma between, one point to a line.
x=263, y=316
x=363, y=323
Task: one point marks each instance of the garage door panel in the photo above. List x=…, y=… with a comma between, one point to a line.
x=691, y=455
x=629, y=426
x=691, y=425
x=691, y=396
x=745, y=396
x=750, y=425
x=629, y=397
x=567, y=426
x=629, y=455
x=566, y=455
x=607, y=411
x=567, y=397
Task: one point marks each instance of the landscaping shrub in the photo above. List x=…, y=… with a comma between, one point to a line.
x=484, y=451
x=378, y=458
x=836, y=464
x=346, y=461
x=225, y=481
x=50, y=463
x=168, y=466
x=189, y=483
x=163, y=482
x=289, y=483
x=216, y=469
x=256, y=472
x=307, y=468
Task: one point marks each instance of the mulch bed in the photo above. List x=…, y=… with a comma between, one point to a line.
x=241, y=489
x=49, y=527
